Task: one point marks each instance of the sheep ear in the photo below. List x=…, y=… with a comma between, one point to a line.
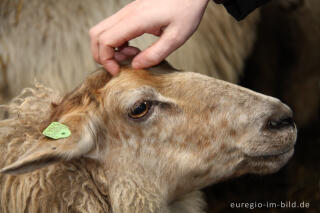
x=48, y=151
x=72, y=112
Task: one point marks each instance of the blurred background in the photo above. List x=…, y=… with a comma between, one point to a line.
x=275, y=51
x=284, y=63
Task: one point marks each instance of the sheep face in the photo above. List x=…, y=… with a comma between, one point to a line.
x=181, y=130
x=188, y=127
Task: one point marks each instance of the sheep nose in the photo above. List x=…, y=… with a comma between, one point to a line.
x=281, y=117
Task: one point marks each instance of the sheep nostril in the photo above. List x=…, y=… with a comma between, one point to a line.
x=287, y=121
x=281, y=123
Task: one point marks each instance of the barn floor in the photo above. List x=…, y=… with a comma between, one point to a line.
x=298, y=181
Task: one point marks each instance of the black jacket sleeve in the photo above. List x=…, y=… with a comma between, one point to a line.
x=239, y=9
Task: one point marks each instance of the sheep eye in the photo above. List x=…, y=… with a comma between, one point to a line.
x=139, y=110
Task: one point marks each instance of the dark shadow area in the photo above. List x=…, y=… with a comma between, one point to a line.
x=285, y=64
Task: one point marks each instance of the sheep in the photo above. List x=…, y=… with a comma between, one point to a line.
x=143, y=141
x=49, y=40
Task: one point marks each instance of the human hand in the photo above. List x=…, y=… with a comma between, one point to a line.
x=174, y=21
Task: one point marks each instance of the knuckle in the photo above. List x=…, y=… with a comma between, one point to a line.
x=104, y=61
x=102, y=41
x=93, y=32
x=175, y=39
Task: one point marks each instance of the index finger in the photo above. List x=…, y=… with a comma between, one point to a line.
x=115, y=37
x=102, y=26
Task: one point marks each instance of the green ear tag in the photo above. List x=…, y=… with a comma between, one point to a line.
x=56, y=131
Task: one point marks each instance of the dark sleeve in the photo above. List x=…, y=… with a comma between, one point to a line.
x=239, y=9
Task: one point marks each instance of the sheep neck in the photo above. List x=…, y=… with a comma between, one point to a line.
x=131, y=193
x=135, y=190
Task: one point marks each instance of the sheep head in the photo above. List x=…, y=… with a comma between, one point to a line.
x=181, y=130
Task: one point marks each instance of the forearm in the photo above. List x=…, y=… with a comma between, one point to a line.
x=239, y=9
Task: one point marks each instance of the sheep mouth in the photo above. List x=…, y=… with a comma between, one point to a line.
x=267, y=164
x=274, y=155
